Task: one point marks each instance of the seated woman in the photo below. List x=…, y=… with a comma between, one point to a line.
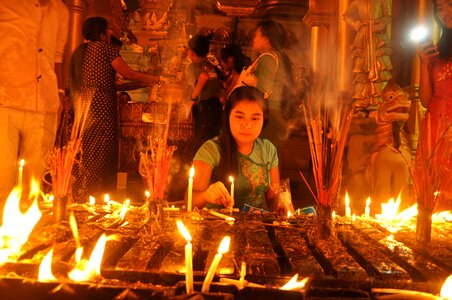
x=238, y=152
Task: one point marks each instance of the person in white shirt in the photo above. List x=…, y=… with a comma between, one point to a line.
x=34, y=34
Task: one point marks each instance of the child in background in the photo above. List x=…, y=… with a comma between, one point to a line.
x=206, y=85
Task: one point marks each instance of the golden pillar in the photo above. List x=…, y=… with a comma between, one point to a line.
x=77, y=13
x=319, y=20
x=343, y=51
x=424, y=17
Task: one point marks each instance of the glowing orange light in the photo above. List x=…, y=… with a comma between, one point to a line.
x=45, y=268
x=293, y=284
x=446, y=289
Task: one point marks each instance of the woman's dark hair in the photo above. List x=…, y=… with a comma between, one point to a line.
x=228, y=163
x=445, y=41
x=275, y=33
x=93, y=28
x=200, y=44
x=235, y=51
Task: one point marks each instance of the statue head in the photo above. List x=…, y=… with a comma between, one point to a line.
x=395, y=104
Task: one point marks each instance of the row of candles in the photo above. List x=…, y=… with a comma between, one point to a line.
x=190, y=189
x=348, y=211
x=223, y=248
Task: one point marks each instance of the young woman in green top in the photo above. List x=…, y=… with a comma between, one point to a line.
x=238, y=152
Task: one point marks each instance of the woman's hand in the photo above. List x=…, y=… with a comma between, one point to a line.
x=426, y=51
x=217, y=193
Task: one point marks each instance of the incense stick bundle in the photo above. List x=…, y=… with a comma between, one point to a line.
x=61, y=158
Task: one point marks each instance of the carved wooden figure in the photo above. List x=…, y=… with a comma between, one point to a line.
x=388, y=167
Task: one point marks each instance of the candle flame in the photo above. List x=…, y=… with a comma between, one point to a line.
x=390, y=209
x=147, y=194
x=12, y=236
x=289, y=214
x=183, y=230
x=45, y=268
x=92, y=200
x=124, y=209
x=368, y=202
x=293, y=284
x=443, y=216
x=192, y=172
x=231, y=179
x=107, y=198
x=87, y=270
x=446, y=289
x=347, y=200
x=224, y=245
x=22, y=163
x=74, y=229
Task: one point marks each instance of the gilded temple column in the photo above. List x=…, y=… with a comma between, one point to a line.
x=318, y=19
x=77, y=14
x=424, y=17
x=343, y=50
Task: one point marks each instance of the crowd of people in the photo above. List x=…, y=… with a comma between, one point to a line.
x=236, y=107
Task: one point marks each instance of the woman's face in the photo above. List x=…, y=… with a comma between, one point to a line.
x=260, y=42
x=245, y=121
x=445, y=12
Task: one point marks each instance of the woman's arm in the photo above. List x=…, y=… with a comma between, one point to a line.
x=129, y=85
x=266, y=74
x=204, y=193
x=426, y=52
x=200, y=83
x=271, y=196
x=120, y=66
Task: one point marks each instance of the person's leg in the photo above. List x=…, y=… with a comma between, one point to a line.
x=9, y=139
x=38, y=137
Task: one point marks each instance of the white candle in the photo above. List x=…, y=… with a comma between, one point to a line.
x=348, y=212
x=188, y=257
x=231, y=179
x=107, y=201
x=21, y=172
x=220, y=215
x=190, y=190
x=367, y=210
x=242, y=275
x=224, y=247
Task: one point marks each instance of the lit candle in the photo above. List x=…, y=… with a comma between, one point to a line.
x=231, y=179
x=188, y=257
x=190, y=190
x=367, y=210
x=242, y=275
x=21, y=172
x=107, y=201
x=348, y=212
x=224, y=247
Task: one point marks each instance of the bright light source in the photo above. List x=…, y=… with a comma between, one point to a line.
x=418, y=34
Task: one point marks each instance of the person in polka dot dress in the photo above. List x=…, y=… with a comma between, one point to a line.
x=94, y=66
